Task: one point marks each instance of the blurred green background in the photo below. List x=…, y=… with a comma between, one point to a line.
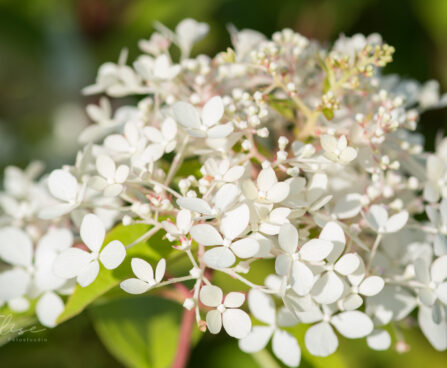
x=50, y=49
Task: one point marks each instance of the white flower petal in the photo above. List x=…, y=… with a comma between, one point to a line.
x=377, y=217
x=56, y=239
x=245, y=248
x=186, y=115
x=105, y=166
x=348, y=206
x=142, y=269
x=353, y=324
x=266, y=179
x=220, y=131
x=88, y=274
x=352, y=302
x=71, y=262
x=153, y=134
x=282, y=264
x=13, y=283
x=278, y=192
x=256, y=340
x=286, y=318
x=347, y=264
x=379, y=340
x=236, y=323
x=63, y=185
x=213, y=111
x=347, y=155
x=169, y=129
x=113, y=190
x=113, y=254
x=315, y=250
x=195, y=205
x=234, y=299
x=153, y=152
x=438, y=269
x=56, y=210
x=134, y=286
x=225, y=196
x=286, y=348
x=334, y=233
x=92, y=232
x=234, y=173
x=435, y=333
x=16, y=247
x=396, y=222
x=372, y=285
x=19, y=305
x=261, y=306
x=121, y=174
x=214, y=321
x=321, y=340
x=211, y=295
x=328, y=142
x=206, y=235
x=219, y=257
x=48, y=308
x=328, y=289
x=160, y=270
x=441, y=292
x=234, y=222
x=288, y=238
x=184, y=221
x=302, y=278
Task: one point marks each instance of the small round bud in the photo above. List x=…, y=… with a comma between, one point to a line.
x=189, y=304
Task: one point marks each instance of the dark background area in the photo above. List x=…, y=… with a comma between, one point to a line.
x=50, y=49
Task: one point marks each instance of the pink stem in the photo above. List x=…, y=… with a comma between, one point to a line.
x=184, y=344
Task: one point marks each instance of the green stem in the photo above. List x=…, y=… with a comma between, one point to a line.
x=265, y=359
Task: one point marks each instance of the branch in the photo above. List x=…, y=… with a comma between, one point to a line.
x=184, y=344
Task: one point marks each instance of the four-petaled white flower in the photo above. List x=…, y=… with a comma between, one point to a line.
x=432, y=316
x=295, y=263
x=284, y=344
x=361, y=285
x=145, y=276
x=226, y=312
x=162, y=141
x=337, y=150
x=320, y=338
x=84, y=265
x=267, y=188
x=111, y=178
x=205, y=124
x=32, y=273
x=379, y=221
x=232, y=225
x=181, y=227
x=222, y=201
x=222, y=170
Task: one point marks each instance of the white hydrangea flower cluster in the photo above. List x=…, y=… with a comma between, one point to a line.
x=279, y=150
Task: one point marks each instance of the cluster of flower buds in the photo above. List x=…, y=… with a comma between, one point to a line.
x=277, y=152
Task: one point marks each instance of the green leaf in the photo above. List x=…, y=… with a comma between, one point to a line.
x=152, y=250
x=140, y=331
x=328, y=113
x=285, y=108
